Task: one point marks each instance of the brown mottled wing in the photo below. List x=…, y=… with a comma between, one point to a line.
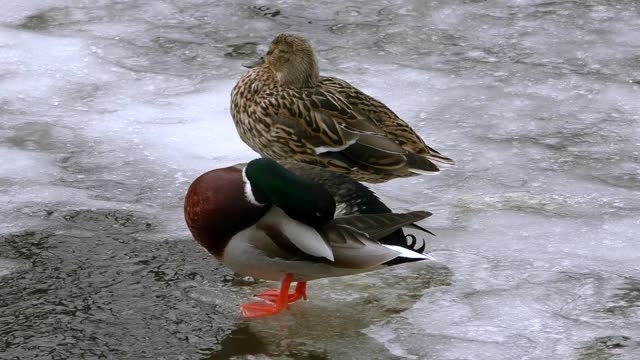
x=384, y=117
x=324, y=120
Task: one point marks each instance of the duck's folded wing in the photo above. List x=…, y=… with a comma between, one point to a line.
x=328, y=123
x=334, y=244
x=353, y=238
x=288, y=238
x=376, y=226
x=385, y=118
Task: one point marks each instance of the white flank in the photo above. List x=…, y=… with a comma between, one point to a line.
x=323, y=149
x=408, y=253
x=248, y=192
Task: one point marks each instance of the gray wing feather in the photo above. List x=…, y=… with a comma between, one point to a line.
x=376, y=226
x=353, y=238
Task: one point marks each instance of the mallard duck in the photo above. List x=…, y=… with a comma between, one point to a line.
x=283, y=109
x=294, y=222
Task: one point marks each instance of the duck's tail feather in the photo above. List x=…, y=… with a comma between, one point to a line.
x=439, y=158
x=418, y=227
x=377, y=226
x=408, y=254
x=414, y=239
x=421, y=165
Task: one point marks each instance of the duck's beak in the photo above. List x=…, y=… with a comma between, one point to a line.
x=256, y=63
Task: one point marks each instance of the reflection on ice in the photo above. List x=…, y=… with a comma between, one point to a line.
x=338, y=311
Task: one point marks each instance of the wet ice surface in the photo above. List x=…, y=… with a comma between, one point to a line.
x=109, y=109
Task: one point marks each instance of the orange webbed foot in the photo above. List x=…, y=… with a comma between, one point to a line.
x=278, y=300
x=259, y=309
x=272, y=295
x=301, y=290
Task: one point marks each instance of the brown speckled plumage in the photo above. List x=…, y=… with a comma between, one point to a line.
x=284, y=110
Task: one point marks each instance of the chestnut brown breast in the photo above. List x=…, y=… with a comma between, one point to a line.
x=215, y=209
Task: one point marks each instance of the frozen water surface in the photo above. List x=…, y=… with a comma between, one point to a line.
x=108, y=110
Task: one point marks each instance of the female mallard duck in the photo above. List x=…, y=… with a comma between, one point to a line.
x=285, y=110
x=295, y=222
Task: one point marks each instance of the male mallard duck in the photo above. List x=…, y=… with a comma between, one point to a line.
x=285, y=110
x=295, y=222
